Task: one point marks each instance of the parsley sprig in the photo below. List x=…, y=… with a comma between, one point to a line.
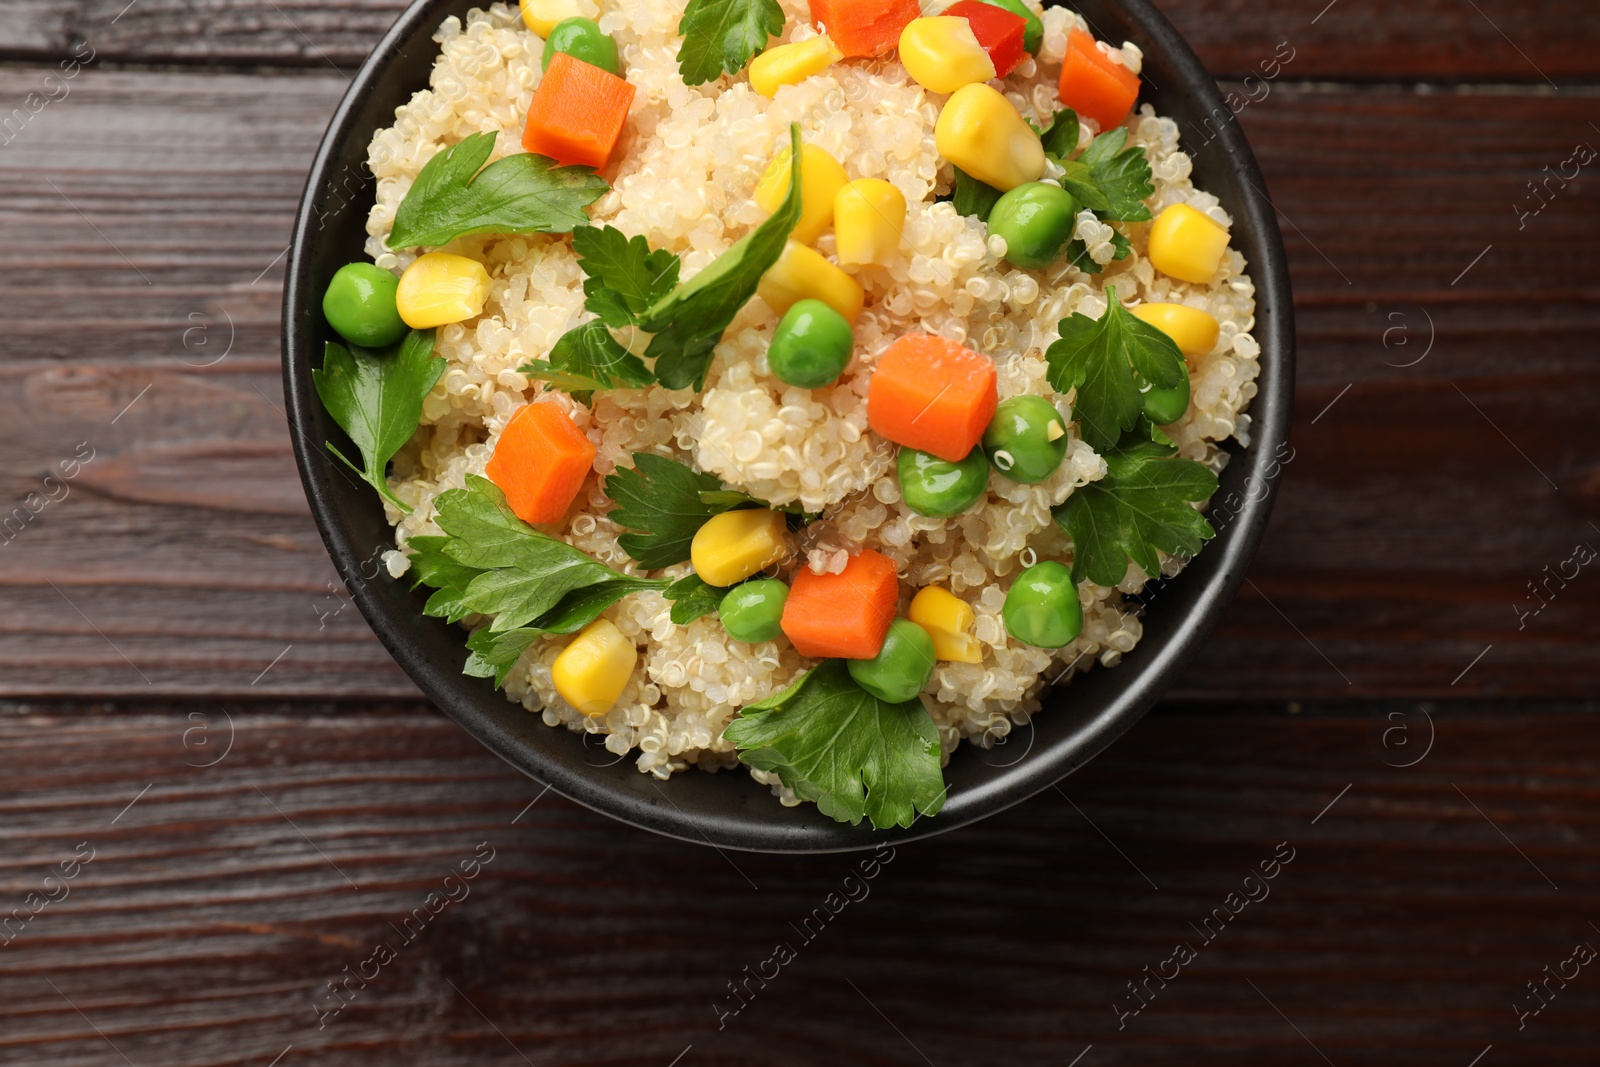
x=1107, y=360
x=524, y=193
x=376, y=398
x=663, y=504
x=1141, y=506
x=832, y=742
x=724, y=35
x=492, y=563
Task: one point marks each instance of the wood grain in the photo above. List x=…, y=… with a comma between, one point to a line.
x=217, y=907
x=1556, y=41
x=147, y=211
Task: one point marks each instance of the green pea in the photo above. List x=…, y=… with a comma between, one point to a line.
x=938, y=488
x=360, y=305
x=901, y=668
x=753, y=611
x=1033, y=33
x=1036, y=220
x=811, y=346
x=583, y=39
x=1027, y=438
x=1162, y=406
x=1042, y=607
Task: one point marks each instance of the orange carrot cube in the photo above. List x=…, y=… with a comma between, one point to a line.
x=864, y=27
x=1095, y=85
x=933, y=395
x=577, y=113
x=540, y=463
x=844, y=615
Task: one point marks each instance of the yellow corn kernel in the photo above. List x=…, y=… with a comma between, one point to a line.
x=942, y=54
x=980, y=132
x=948, y=620
x=868, y=215
x=791, y=64
x=541, y=16
x=1187, y=245
x=821, y=178
x=591, y=673
x=1194, y=331
x=800, y=273
x=736, y=544
x=441, y=288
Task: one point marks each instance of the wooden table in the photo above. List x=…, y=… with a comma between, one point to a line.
x=223, y=795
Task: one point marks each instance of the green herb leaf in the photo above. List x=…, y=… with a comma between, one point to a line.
x=494, y=653
x=723, y=35
x=525, y=573
x=1077, y=254
x=1122, y=174
x=1123, y=246
x=522, y=193
x=831, y=741
x=582, y=606
x=691, y=598
x=727, y=499
x=1100, y=358
x=1061, y=139
x=689, y=321
x=588, y=358
x=1139, y=507
x=1079, y=181
x=449, y=579
x=376, y=398
x=624, y=276
x=972, y=197
x=659, y=499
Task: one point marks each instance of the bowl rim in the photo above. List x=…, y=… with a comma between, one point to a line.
x=1206, y=585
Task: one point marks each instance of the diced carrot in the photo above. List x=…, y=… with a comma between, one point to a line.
x=540, y=462
x=577, y=113
x=933, y=395
x=864, y=27
x=844, y=615
x=1001, y=32
x=1095, y=85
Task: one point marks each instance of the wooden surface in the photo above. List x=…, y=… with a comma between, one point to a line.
x=1445, y=457
x=218, y=906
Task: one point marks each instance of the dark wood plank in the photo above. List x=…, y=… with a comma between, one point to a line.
x=216, y=908
x=1432, y=40
x=1407, y=529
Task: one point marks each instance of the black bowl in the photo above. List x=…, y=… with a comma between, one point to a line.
x=729, y=810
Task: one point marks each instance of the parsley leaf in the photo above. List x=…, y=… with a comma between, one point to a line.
x=1104, y=360
x=1079, y=181
x=688, y=322
x=494, y=653
x=522, y=193
x=376, y=398
x=1061, y=139
x=831, y=741
x=1122, y=174
x=1139, y=507
x=624, y=276
x=430, y=566
x=723, y=35
x=691, y=598
x=972, y=197
x=659, y=499
x=525, y=573
x=727, y=499
x=665, y=503
x=588, y=358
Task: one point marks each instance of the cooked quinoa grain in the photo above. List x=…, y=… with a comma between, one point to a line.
x=686, y=168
